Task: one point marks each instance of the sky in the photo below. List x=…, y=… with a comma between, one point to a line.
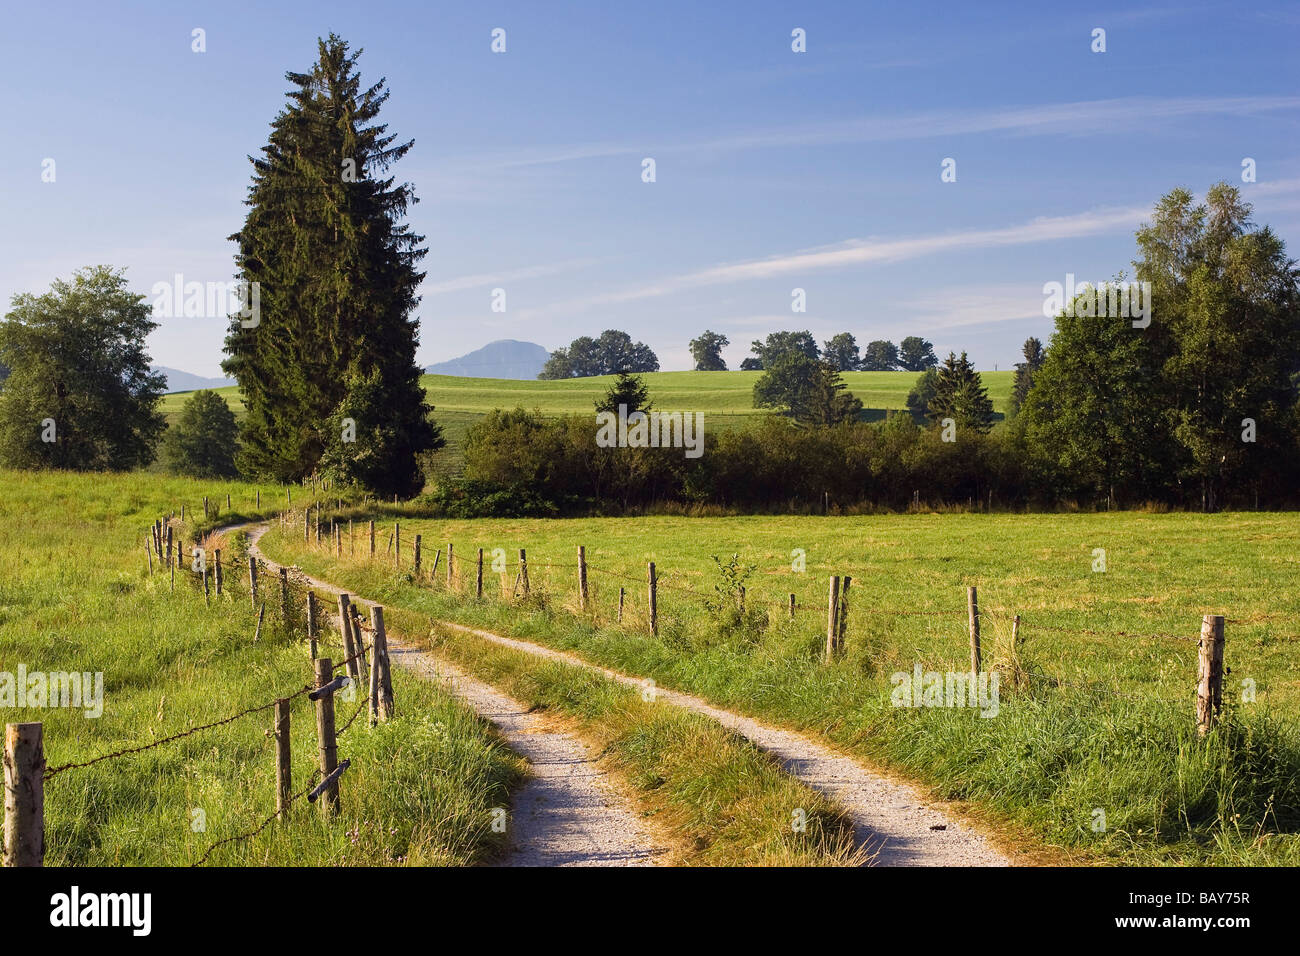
x=775, y=170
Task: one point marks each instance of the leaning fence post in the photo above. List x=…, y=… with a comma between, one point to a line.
x=478, y=576
x=582, y=577
x=1209, y=673
x=311, y=622
x=523, y=570
x=24, y=774
x=252, y=579
x=973, y=608
x=832, y=615
x=653, y=599
x=380, y=664
x=325, y=734
x=360, y=643
x=345, y=629
x=283, y=776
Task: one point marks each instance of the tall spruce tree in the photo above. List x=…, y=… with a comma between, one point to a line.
x=1025, y=371
x=327, y=366
x=959, y=394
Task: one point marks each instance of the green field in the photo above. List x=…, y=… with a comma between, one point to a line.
x=76, y=595
x=726, y=398
x=1098, y=698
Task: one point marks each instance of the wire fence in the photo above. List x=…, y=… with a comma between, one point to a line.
x=640, y=601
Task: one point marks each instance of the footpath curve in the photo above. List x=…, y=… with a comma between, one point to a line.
x=892, y=820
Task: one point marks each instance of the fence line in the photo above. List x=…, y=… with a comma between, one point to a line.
x=25, y=766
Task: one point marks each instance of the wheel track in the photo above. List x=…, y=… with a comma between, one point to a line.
x=892, y=820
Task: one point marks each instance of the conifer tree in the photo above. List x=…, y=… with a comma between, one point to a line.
x=327, y=361
x=959, y=394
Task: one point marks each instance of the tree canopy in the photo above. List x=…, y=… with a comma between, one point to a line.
x=612, y=352
x=80, y=393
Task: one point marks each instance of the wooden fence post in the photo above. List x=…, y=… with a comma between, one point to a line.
x=451, y=565
x=417, y=555
x=622, y=593
x=24, y=762
x=283, y=775
x=653, y=599
x=1209, y=673
x=227, y=501
x=205, y=506
x=582, y=577
x=792, y=607
x=844, y=613
x=338, y=540
x=216, y=569
x=832, y=616
x=311, y=622
x=523, y=570
x=169, y=546
x=360, y=642
x=397, y=544
x=325, y=735
x=259, y=499
x=433, y=571
x=306, y=525
x=741, y=601
x=381, y=689
x=973, y=609
x=478, y=577
x=345, y=629
x=252, y=579
x=372, y=538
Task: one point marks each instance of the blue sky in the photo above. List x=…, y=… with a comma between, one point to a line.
x=775, y=170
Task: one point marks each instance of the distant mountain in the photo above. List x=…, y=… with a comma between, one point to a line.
x=505, y=358
x=178, y=381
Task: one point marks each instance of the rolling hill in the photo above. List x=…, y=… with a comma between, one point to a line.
x=726, y=398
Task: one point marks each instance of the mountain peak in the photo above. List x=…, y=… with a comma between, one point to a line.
x=504, y=358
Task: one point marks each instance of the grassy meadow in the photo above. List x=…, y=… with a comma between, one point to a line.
x=76, y=595
x=1097, y=697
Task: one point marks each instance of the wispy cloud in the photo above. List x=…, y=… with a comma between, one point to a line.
x=1081, y=118
x=859, y=252
x=485, y=280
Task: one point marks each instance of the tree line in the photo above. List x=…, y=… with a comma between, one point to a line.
x=1198, y=409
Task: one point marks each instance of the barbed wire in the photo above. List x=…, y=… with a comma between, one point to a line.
x=265, y=823
x=55, y=771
